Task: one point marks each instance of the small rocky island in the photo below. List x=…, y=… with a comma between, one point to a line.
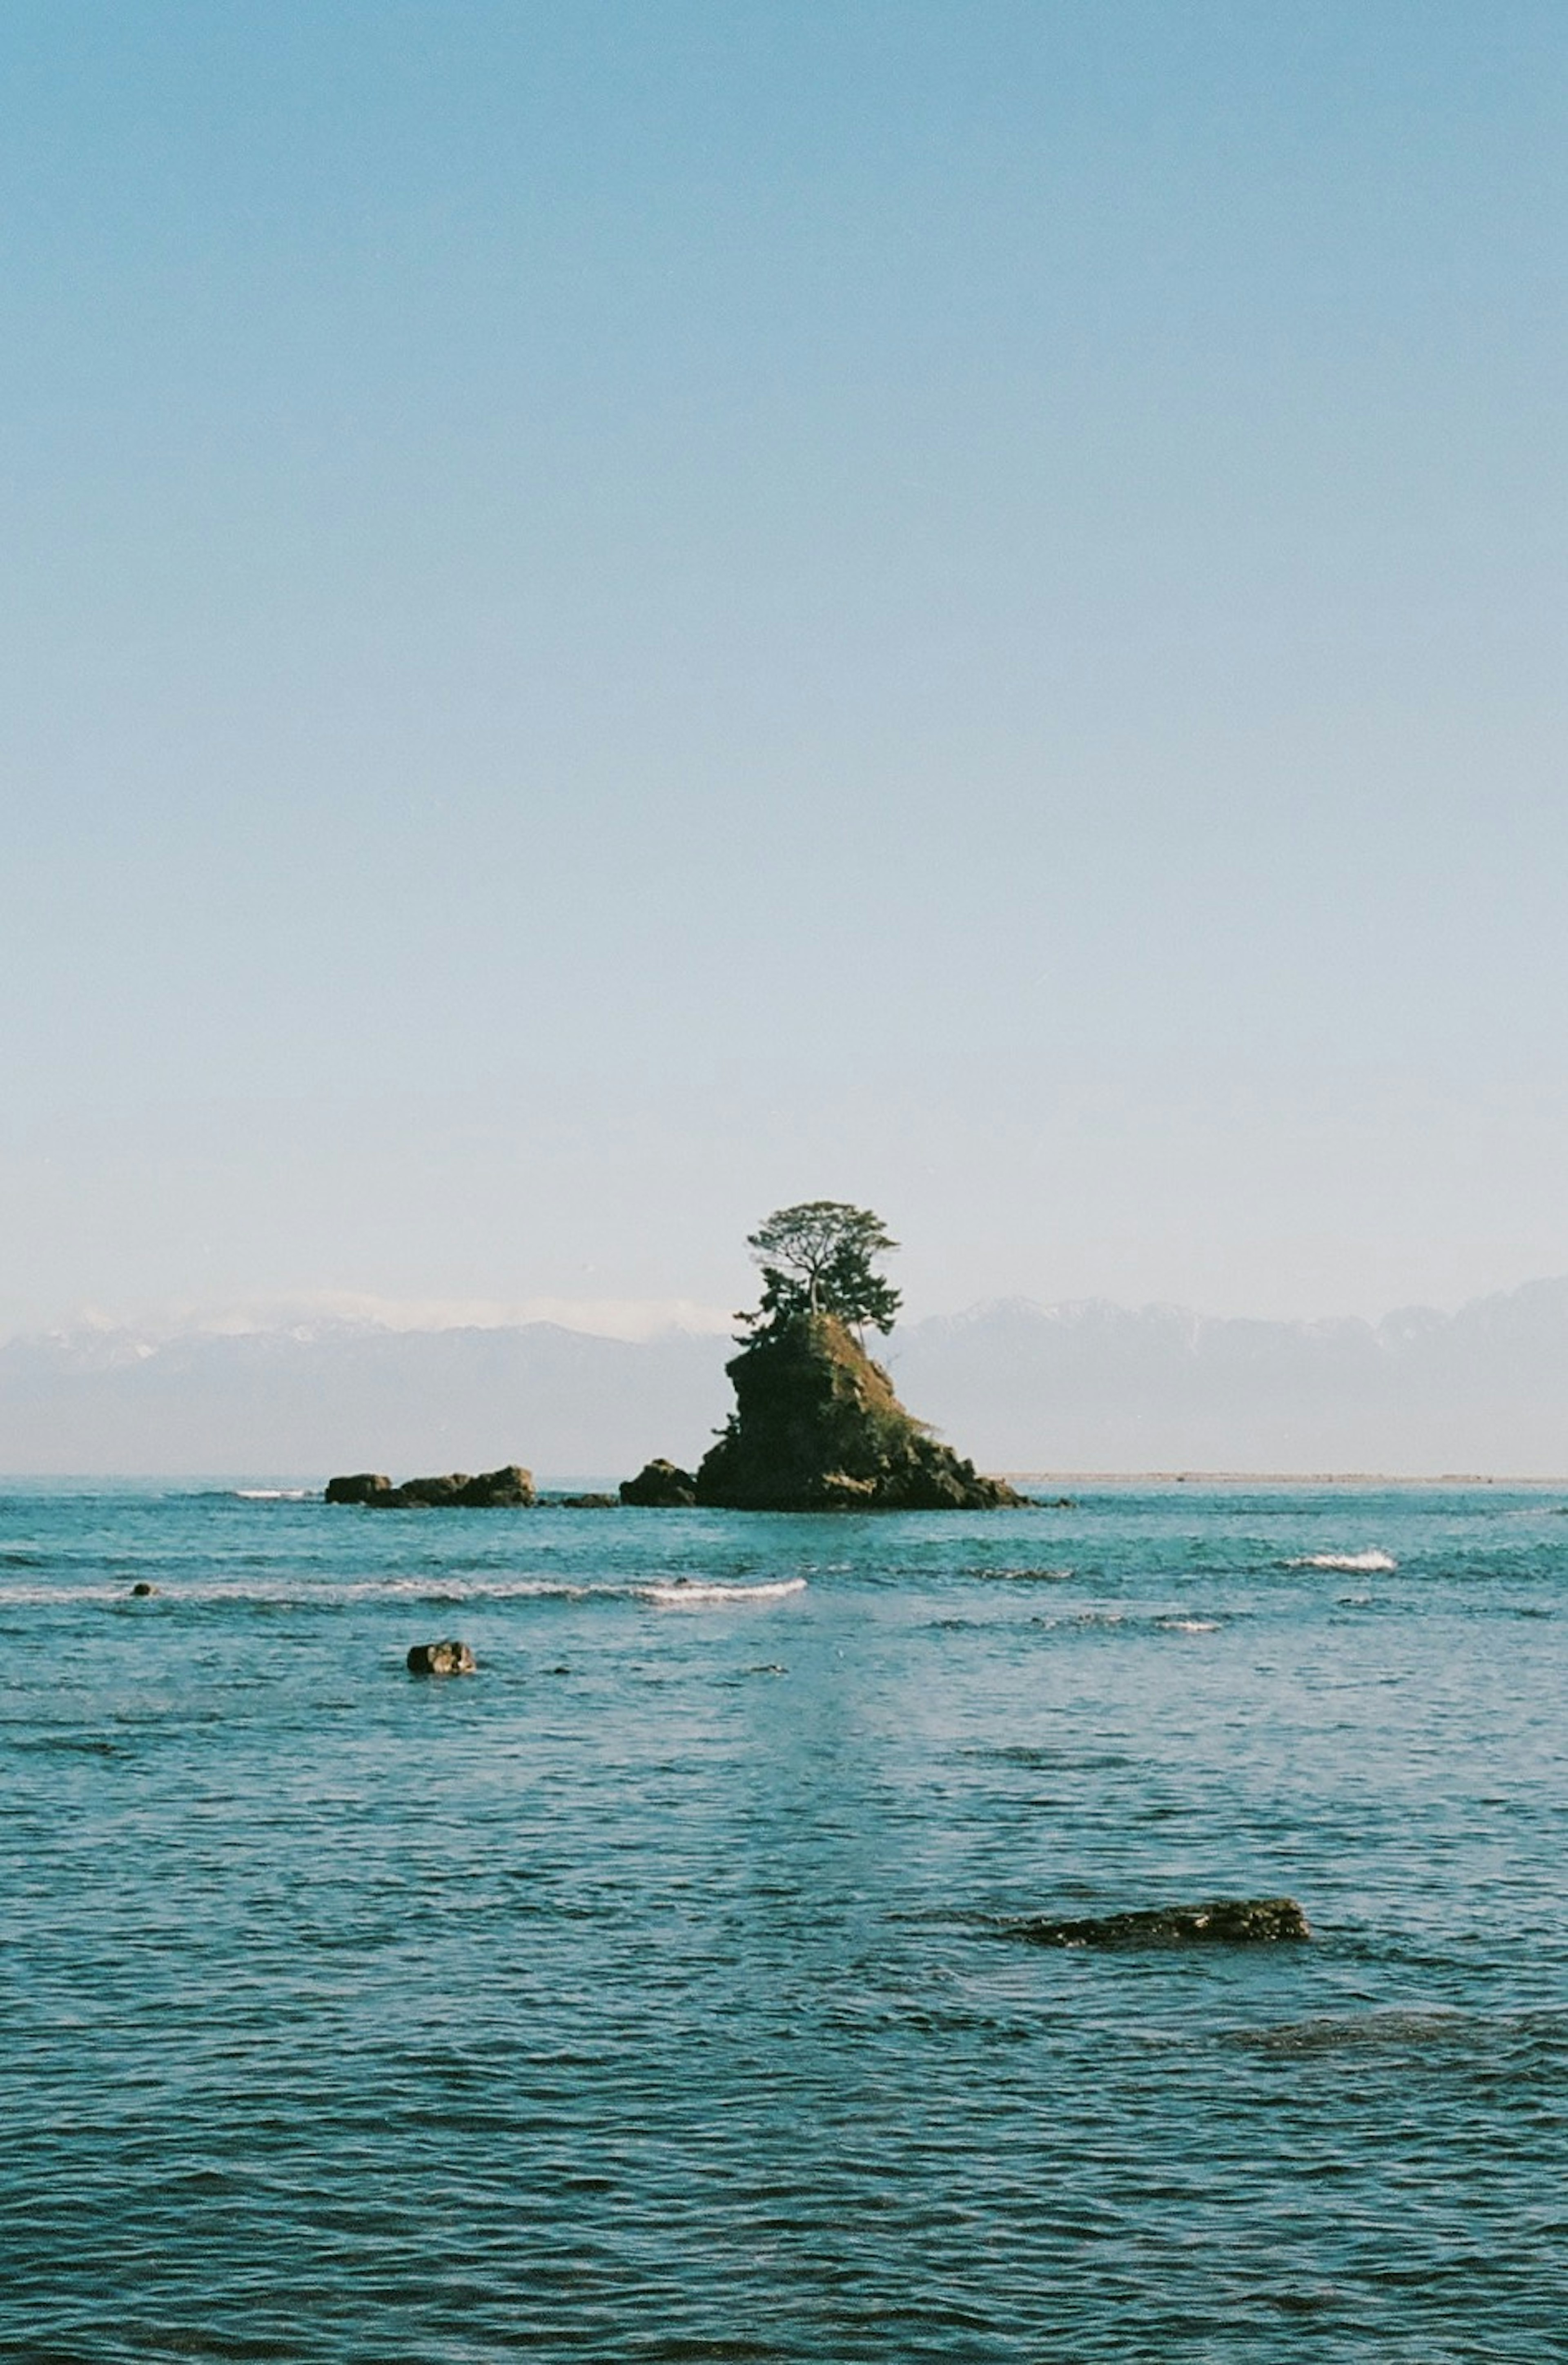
x=817, y=1426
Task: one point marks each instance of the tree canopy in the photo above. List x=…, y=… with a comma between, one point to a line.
x=817, y=1259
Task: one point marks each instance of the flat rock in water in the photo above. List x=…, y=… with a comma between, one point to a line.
x=448, y=1658
x=1223, y=1921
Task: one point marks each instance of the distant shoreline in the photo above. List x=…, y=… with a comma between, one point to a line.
x=1456, y=1478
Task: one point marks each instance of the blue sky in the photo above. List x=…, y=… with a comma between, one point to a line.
x=619, y=615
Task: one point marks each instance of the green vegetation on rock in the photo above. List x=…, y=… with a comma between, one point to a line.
x=817, y=1259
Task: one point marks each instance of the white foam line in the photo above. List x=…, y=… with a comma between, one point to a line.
x=686, y=1593
x=1354, y=1562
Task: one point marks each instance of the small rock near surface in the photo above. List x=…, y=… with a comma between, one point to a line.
x=448, y=1658
x=660, y=1486
x=140, y=1589
x=1222, y=1921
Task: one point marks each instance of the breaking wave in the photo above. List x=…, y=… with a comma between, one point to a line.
x=686, y=1593
x=171, y=1592
x=1353, y=1563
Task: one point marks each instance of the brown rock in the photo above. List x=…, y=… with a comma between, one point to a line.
x=362, y=1486
x=660, y=1486
x=818, y=1428
x=507, y=1489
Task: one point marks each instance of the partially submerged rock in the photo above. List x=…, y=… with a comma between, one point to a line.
x=584, y=1502
x=509, y=1488
x=448, y=1658
x=818, y=1428
x=660, y=1486
x=141, y=1590
x=1222, y=1921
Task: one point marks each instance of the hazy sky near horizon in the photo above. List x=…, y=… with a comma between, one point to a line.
x=618, y=615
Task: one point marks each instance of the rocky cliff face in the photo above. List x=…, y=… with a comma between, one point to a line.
x=817, y=1427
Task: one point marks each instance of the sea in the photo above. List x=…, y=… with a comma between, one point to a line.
x=657, y=1993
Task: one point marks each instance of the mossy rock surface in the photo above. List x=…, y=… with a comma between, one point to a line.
x=817, y=1427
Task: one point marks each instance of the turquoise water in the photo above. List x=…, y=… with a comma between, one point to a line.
x=645, y=1996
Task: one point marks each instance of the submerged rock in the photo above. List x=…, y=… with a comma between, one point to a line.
x=509, y=1488
x=660, y=1486
x=1223, y=1921
x=818, y=1428
x=448, y=1658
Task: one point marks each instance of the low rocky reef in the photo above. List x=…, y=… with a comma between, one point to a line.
x=817, y=1427
x=1223, y=1921
x=509, y=1489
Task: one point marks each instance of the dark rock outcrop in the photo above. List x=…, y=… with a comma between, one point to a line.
x=1223, y=1921
x=818, y=1428
x=362, y=1486
x=660, y=1486
x=511, y=1488
x=584, y=1502
x=448, y=1658
x=141, y=1590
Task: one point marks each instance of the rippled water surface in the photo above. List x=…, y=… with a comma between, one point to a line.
x=647, y=1995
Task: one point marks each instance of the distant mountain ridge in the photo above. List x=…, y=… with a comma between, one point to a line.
x=1162, y=1387
x=1088, y=1385
x=345, y=1395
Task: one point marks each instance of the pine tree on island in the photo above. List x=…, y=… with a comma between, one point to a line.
x=817, y=1259
x=817, y=1426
